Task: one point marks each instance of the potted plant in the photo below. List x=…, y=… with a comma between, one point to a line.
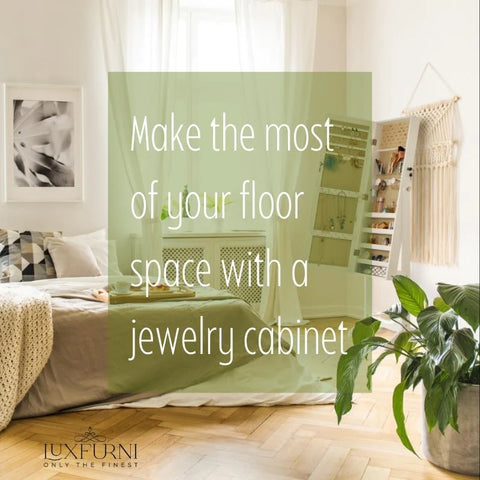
x=439, y=349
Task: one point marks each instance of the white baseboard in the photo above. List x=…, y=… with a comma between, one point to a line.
x=323, y=311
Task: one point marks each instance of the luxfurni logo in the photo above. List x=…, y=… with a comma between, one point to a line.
x=90, y=450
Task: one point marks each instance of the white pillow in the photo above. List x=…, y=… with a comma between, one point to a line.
x=100, y=250
x=72, y=259
x=88, y=238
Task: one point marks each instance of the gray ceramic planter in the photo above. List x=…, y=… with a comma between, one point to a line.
x=457, y=452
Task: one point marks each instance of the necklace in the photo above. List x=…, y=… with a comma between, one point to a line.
x=341, y=203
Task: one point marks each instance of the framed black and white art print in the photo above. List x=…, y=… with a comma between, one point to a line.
x=43, y=137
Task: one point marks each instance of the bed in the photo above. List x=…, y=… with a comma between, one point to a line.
x=80, y=374
x=85, y=350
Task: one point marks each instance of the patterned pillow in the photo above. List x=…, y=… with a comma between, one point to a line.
x=24, y=256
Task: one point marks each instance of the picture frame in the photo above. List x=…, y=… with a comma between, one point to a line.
x=43, y=143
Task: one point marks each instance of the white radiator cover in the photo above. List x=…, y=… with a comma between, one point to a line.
x=214, y=248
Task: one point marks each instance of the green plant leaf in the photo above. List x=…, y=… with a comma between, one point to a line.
x=400, y=316
x=396, y=311
x=433, y=398
x=164, y=215
x=473, y=375
x=453, y=422
x=448, y=320
x=443, y=400
x=402, y=342
x=365, y=328
x=427, y=370
x=210, y=203
x=465, y=341
x=439, y=303
x=464, y=299
x=411, y=296
x=410, y=371
x=445, y=412
x=375, y=342
x=372, y=368
x=347, y=371
x=397, y=405
x=459, y=349
x=213, y=203
x=435, y=326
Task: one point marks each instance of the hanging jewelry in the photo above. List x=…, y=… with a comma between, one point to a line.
x=331, y=220
x=328, y=221
x=341, y=203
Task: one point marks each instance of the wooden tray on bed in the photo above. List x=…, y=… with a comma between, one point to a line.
x=137, y=295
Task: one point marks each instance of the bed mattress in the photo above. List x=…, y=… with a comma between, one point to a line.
x=79, y=372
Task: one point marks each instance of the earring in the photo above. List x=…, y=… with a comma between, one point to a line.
x=341, y=216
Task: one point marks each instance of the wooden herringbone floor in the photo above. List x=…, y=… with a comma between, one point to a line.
x=298, y=442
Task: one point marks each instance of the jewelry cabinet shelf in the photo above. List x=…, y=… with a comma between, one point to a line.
x=332, y=234
x=375, y=246
x=390, y=149
x=374, y=263
x=379, y=231
x=381, y=215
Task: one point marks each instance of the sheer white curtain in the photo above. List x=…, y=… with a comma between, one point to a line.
x=273, y=35
x=276, y=35
x=279, y=35
x=140, y=36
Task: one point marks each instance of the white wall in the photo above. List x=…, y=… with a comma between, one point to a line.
x=394, y=39
x=59, y=42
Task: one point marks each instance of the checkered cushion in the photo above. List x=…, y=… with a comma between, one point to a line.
x=24, y=256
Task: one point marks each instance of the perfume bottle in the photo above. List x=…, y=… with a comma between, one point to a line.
x=380, y=204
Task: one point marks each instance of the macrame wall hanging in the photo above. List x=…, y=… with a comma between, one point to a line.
x=434, y=182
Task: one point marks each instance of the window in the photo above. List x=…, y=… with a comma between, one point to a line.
x=207, y=42
x=207, y=36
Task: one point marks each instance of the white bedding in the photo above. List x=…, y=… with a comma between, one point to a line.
x=293, y=383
